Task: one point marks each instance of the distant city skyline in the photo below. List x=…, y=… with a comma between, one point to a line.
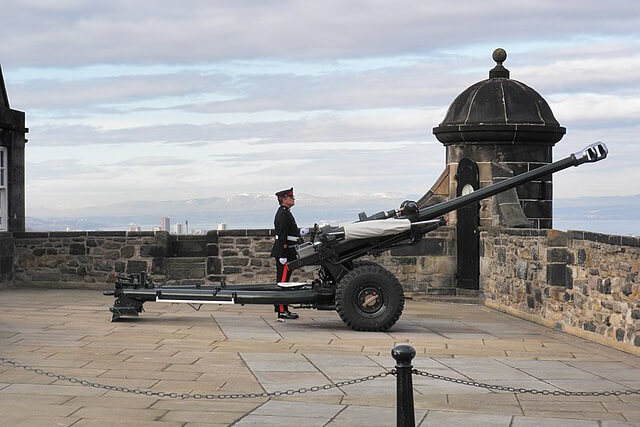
x=156, y=101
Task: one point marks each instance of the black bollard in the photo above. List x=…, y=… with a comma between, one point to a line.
x=404, y=354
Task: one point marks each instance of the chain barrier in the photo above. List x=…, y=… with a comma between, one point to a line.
x=301, y=390
x=184, y=396
x=543, y=392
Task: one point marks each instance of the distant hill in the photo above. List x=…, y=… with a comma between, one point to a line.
x=611, y=214
x=238, y=211
x=608, y=214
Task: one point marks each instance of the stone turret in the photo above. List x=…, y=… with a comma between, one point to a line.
x=506, y=128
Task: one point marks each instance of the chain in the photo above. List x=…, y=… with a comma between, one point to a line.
x=301, y=390
x=525, y=390
x=290, y=392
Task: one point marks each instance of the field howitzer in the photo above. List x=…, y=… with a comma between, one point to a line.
x=366, y=296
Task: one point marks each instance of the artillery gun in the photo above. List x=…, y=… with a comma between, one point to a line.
x=366, y=296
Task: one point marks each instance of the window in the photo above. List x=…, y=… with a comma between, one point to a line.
x=4, y=208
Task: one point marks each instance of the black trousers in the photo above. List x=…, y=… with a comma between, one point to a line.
x=283, y=274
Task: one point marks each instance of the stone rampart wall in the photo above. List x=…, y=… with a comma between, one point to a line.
x=243, y=256
x=87, y=259
x=90, y=259
x=584, y=283
x=6, y=259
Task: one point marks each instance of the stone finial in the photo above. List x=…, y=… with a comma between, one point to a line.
x=499, y=55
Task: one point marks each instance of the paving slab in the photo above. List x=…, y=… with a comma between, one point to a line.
x=243, y=349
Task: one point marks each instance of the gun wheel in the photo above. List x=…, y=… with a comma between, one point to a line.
x=369, y=298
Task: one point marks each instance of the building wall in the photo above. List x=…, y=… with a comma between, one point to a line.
x=587, y=284
x=6, y=259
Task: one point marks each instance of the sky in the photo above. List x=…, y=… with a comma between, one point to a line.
x=147, y=100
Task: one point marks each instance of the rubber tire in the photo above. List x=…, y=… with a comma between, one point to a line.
x=369, y=275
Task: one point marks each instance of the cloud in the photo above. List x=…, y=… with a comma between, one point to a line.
x=128, y=100
x=80, y=33
x=90, y=93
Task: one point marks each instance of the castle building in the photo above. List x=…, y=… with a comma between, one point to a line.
x=12, y=142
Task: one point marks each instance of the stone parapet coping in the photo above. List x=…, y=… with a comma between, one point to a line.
x=560, y=326
x=612, y=239
x=47, y=234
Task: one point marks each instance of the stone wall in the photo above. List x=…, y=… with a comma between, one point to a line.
x=6, y=259
x=243, y=256
x=90, y=259
x=583, y=283
x=87, y=259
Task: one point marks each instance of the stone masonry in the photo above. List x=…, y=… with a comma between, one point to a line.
x=584, y=283
x=87, y=259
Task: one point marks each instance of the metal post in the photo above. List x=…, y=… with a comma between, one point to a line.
x=404, y=354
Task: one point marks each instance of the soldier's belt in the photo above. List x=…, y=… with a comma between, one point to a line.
x=290, y=238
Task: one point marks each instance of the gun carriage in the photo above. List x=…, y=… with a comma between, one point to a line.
x=366, y=296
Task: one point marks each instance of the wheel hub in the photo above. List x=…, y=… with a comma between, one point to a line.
x=370, y=300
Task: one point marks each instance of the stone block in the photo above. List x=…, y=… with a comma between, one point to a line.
x=158, y=265
x=103, y=265
x=214, y=266
x=119, y=266
x=110, y=244
x=521, y=269
x=77, y=249
x=530, y=302
x=232, y=270
x=136, y=266
x=229, y=252
x=153, y=251
x=212, y=236
x=189, y=248
x=556, y=238
x=557, y=274
x=212, y=249
x=127, y=252
x=557, y=255
x=264, y=247
x=604, y=287
x=239, y=232
x=112, y=254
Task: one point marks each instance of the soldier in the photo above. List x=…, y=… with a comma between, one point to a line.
x=287, y=236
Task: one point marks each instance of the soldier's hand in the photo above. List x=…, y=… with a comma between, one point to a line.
x=283, y=261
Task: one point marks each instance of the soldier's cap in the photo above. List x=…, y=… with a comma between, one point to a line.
x=285, y=193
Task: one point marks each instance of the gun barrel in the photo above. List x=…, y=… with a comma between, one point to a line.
x=592, y=153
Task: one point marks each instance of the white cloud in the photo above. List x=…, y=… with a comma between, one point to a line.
x=130, y=99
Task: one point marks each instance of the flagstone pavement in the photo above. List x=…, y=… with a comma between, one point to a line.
x=223, y=349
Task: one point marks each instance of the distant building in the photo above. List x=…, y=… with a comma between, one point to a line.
x=154, y=229
x=165, y=223
x=134, y=227
x=177, y=229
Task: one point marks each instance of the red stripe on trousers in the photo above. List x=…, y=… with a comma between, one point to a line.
x=283, y=279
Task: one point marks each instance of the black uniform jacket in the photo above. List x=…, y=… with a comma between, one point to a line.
x=287, y=234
